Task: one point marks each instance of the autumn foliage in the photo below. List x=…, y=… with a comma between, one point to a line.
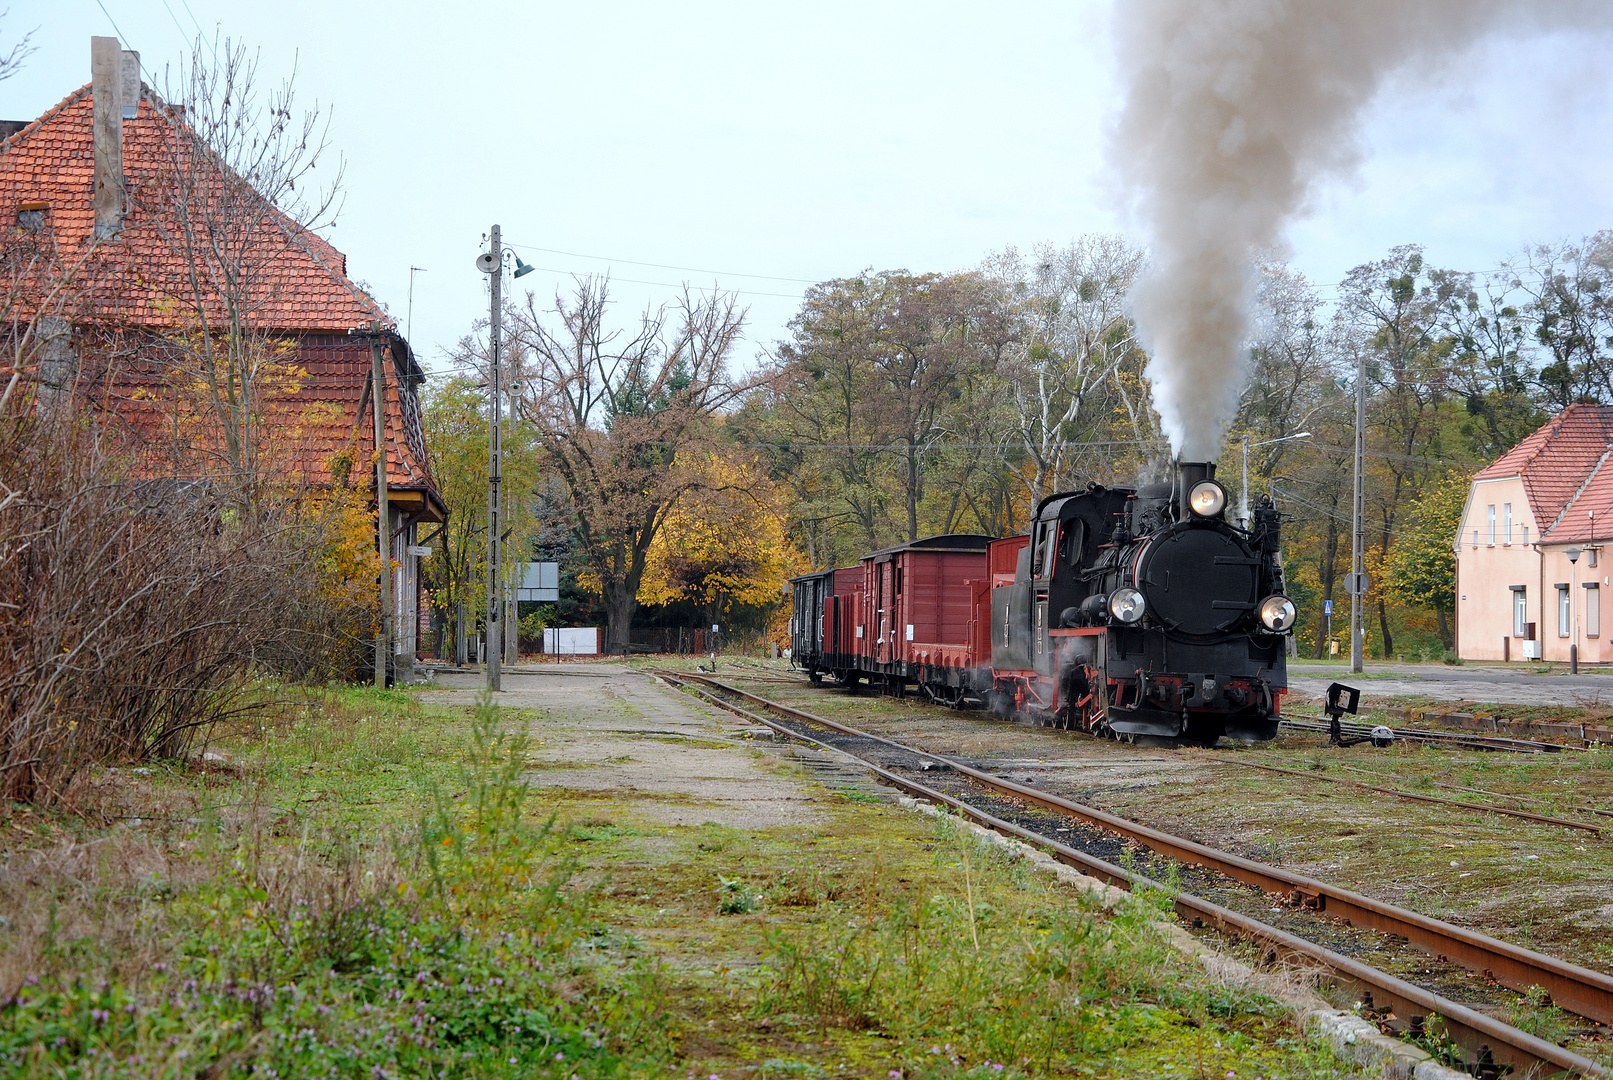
x=725, y=542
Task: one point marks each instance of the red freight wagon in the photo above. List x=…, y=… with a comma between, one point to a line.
x=841, y=614
x=920, y=619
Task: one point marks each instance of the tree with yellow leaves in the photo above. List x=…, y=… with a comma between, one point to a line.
x=723, y=543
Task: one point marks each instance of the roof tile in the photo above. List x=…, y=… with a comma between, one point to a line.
x=1567, y=473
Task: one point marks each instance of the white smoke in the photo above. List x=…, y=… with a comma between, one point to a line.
x=1234, y=110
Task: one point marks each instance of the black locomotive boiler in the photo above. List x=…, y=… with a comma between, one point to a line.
x=1129, y=612
x=1146, y=612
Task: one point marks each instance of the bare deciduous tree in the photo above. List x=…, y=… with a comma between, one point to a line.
x=21, y=49
x=234, y=192
x=615, y=414
x=1065, y=368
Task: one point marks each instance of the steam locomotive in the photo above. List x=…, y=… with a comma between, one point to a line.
x=1127, y=612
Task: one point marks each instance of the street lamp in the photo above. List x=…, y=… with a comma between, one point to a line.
x=491, y=263
x=1573, y=613
x=1243, y=494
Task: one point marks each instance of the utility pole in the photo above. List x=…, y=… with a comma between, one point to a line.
x=1358, y=544
x=495, y=468
x=383, y=519
x=512, y=580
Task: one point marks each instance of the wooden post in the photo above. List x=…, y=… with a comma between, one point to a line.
x=383, y=519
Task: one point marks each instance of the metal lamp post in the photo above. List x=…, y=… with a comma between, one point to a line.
x=491, y=263
x=1243, y=493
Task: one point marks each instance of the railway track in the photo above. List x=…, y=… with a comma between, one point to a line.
x=1484, y=1038
x=1356, y=729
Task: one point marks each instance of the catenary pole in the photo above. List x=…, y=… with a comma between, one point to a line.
x=1358, y=541
x=512, y=577
x=495, y=468
x=383, y=519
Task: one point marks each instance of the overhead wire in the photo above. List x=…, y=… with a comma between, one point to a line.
x=672, y=285
x=664, y=266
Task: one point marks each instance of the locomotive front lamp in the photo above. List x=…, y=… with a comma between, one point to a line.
x=1277, y=613
x=1126, y=605
x=1207, y=498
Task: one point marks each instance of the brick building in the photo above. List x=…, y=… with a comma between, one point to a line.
x=1518, y=594
x=93, y=189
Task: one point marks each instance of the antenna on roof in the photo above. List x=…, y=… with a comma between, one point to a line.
x=409, y=330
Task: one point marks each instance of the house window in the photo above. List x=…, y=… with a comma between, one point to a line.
x=31, y=216
x=1565, y=611
x=1520, y=611
x=1593, y=610
x=1506, y=523
x=1489, y=513
x=1525, y=534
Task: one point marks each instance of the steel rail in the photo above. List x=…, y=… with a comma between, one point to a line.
x=1482, y=1037
x=1483, y=742
x=1580, y=990
x=1494, y=794
x=1594, y=830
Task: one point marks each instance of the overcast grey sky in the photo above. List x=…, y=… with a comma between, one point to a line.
x=764, y=147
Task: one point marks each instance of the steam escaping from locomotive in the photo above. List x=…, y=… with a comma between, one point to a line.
x=1235, y=109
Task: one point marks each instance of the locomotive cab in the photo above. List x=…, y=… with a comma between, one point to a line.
x=1145, y=612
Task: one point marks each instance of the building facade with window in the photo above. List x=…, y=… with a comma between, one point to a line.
x=89, y=192
x=1530, y=573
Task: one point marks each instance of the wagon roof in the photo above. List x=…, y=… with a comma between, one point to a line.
x=965, y=542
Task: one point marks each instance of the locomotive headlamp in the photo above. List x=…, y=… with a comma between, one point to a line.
x=1207, y=498
x=1126, y=604
x=1277, y=613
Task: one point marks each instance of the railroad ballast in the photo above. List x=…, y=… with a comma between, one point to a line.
x=1124, y=611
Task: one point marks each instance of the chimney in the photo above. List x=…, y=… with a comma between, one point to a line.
x=115, y=87
x=129, y=84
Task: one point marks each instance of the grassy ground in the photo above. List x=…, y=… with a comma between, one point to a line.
x=1538, y=885
x=362, y=886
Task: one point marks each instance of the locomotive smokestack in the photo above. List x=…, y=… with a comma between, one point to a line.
x=1189, y=473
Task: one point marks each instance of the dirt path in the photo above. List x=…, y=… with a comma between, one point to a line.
x=607, y=728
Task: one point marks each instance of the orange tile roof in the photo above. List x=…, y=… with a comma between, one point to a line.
x=1566, y=473
x=138, y=281
x=141, y=277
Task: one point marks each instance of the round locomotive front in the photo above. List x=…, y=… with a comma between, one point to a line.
x=1198, y=580
x=1196, y=622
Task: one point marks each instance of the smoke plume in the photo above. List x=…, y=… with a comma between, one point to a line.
x=1234, y=110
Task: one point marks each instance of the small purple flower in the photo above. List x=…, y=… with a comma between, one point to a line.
x=998, y=1066
x=100, y=1016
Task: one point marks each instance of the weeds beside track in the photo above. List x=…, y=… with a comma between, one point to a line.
x=1581, y=990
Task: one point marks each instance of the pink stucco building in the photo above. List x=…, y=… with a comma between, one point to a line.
x=1518, y=594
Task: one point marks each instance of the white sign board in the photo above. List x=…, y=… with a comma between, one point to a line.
x=571, y=640
x=539, y=582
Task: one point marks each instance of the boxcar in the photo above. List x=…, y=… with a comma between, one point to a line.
x=810, y=591
x=919, y=618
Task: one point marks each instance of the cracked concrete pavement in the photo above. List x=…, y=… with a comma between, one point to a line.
x=607, y=728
